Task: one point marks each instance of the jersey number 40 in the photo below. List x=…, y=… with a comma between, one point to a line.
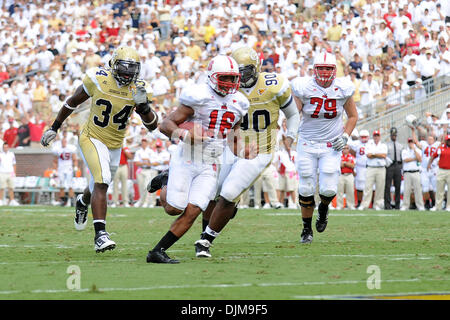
x=260, y=120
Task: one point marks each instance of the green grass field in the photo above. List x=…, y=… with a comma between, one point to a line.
x=257, y=256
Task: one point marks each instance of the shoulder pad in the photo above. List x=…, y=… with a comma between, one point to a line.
x=195, y=95
x=298, y=84
x=347, y=87
x=90, y=81
x=243, y=102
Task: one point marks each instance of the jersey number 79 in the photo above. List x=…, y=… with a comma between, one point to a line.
x=329, y=105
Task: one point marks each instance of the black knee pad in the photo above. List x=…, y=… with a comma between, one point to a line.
x=306, y=202
x=326, y=199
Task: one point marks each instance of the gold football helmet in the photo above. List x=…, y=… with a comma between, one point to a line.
x=125, y=65
x=249, y=65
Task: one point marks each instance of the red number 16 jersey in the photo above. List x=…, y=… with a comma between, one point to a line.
x=215, y=113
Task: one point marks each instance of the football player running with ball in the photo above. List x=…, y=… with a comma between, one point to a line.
x=322, y=136
x=268, y=93
x=216, y=108
x=115, y=93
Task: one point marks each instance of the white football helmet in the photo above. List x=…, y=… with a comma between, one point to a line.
x=364, y=136
x=411, y=121
x=324, y=68
x=223, y=75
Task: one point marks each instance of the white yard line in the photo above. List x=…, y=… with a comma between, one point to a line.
x=369, y=296
x=334, y=214
x=241, y=285
x=406, y=256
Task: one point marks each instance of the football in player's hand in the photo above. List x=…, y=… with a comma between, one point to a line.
x=196, y=130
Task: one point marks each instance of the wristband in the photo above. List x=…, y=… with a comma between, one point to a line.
x=66, y=105
x=56, y=125
x=155, y=116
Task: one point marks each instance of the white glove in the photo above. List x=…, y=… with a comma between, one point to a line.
x=48, y=137
x=139, y=95
x=340, y=142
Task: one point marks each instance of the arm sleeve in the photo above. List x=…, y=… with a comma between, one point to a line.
x=292, y=118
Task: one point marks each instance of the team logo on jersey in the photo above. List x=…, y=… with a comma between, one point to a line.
x=329, y=145
x=261, y=91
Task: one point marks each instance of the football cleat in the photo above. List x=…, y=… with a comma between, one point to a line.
x=322, y=218
x=103, y=242
x=202, y=248
x=159, y=256
x=278, y=205
x=158, y=182
x=306, y=236
x=81, y=214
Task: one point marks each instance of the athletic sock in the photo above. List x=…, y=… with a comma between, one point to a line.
x=307, y=223
x=204, y=224
x=322, y=207
x=81, y=201
x=166, y=242
x=99, y=225
x=209, y=234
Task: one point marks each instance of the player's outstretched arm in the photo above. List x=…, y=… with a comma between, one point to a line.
x=416, y=142
x=148, y=116
x=352, y=118
x=169, y=126
x=292, y=122
x=66, y=110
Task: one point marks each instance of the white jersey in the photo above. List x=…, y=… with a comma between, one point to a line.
x=360, y=152
x=215, y=113
x=322, y=108
x=65, y=157
x=144, y=154
x=427, y=152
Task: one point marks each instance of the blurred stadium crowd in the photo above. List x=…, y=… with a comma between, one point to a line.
x=389, y=50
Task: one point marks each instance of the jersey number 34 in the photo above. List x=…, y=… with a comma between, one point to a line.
x=119, y=118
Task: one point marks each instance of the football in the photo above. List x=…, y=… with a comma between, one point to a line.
x=196, y=128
